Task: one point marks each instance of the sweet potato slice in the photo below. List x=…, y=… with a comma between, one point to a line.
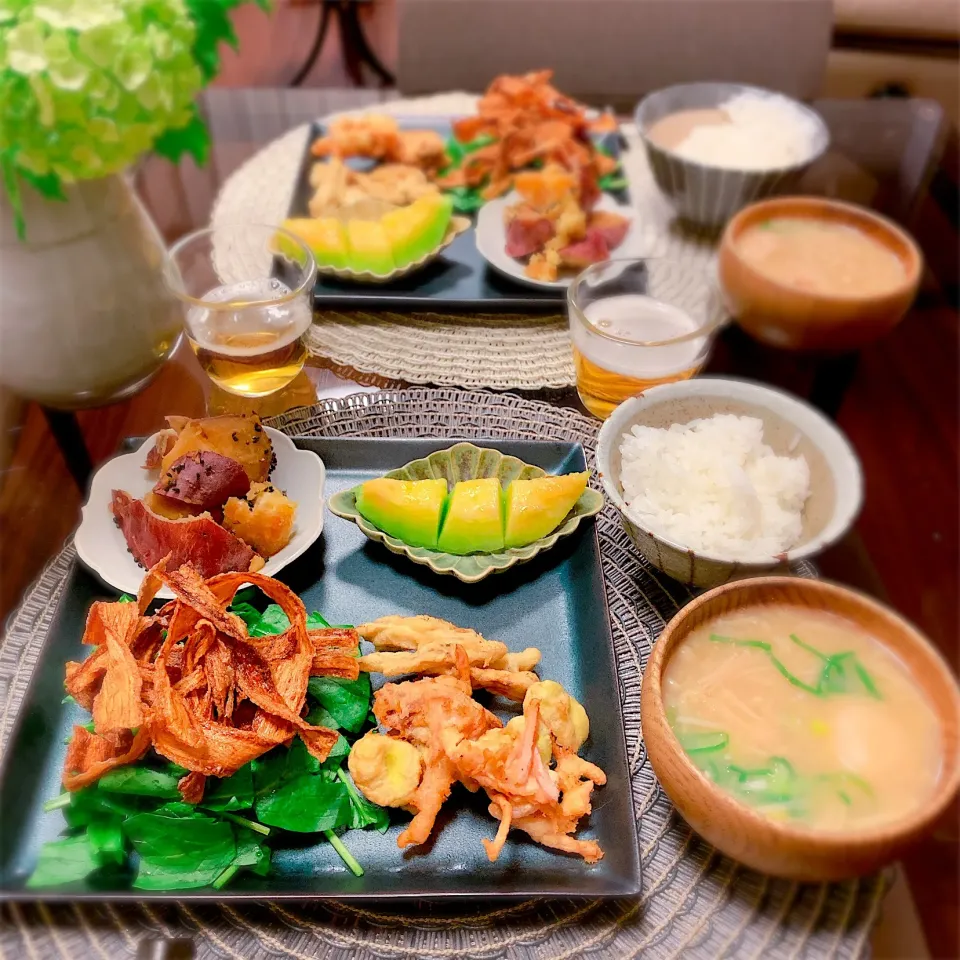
x=239, y=438
x=195, y=540
x=203, y=478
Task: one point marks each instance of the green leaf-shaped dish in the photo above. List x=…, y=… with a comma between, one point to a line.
x=464, y=461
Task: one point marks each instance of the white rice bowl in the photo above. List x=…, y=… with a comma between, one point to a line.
x=715, y=487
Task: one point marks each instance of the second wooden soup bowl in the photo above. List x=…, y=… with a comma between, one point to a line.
x=792, y=318
x=748, y=836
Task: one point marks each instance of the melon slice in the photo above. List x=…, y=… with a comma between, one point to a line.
x=369, y=247
x=410, y=510
x=535, y=508
x=417, y=229
x=474, y=518
x=325, y=236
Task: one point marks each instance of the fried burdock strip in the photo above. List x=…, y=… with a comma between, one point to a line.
x=183, y=676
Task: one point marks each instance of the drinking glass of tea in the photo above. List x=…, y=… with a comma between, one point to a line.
x=637, y=323
x=247, y=295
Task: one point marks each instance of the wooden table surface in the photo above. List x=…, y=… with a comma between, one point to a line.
x=900, y=413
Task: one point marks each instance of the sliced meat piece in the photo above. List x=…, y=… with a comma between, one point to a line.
x=203, y=478
x=591, y=249
x=612, y=226
x=194, y=540
x=527, y=233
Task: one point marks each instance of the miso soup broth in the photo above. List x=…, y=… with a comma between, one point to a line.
x=804, y=716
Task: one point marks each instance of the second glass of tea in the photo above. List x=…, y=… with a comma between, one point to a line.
x=638, y=323
x=247, y=293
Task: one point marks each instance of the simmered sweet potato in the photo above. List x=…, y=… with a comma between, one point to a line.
x=238, y=438
x=263, y=519
x=171, y=509
x=204, y=478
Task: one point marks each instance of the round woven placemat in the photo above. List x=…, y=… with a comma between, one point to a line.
x=695, y=902
x=494, y=350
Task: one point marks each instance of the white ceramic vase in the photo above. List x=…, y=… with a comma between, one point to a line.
x=85, y=317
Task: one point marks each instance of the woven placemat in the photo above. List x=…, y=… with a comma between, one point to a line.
x=695, y=903
x=495, y=350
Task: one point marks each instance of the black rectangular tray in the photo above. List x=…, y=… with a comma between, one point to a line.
x=555, y=602
x=460, y=280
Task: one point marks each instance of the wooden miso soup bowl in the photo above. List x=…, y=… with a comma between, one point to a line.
x=785, y=316
x=748, y=836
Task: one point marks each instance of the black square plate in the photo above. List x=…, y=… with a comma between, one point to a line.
x=459, y=280
x=556, y=602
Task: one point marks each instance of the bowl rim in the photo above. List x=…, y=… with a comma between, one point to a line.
x=748, y=390
x=820, y=148
x=904, y=826
x=856, y=212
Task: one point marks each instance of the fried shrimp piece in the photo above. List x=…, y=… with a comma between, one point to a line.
x=435, y=640
x=386, y=770
x=504, y=683
x=563, y=716
x=429, y=714
x=555, y=832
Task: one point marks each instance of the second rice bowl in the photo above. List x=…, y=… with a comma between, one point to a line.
x=790, y=427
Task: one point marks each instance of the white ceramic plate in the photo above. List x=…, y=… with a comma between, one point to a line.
x=100, y=543
x=492, y=239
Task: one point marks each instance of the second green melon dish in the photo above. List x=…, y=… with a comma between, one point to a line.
x=468, y=511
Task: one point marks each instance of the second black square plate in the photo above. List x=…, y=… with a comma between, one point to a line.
x=556, y=602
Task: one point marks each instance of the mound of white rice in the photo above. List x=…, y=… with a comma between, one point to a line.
x=714, y=486
x=765, y=133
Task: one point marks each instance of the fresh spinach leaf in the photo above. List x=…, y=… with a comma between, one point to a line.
x=126, y=598
x=269, y=771
x=338, y=753
x=272, y=620
x=316, y=622
x=107, y=839
x=321, y=717
x=306, y=804
x=231, y=793
x=141, y=781
x=177, y=851
x=248, y=613
x=250, y=854
x=363, y=813
x=346, y=700
x=92, y=804
x=64, y=861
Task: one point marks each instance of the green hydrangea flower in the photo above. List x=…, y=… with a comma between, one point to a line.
x=87, y=86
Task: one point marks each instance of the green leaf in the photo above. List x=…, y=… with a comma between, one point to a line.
x=192, y=138
x=232, y=793
x=316, y=622
x=248, y=613
x=126, y=598
x=347, y=701
x=269, y=770
x=179, y=852
x=322, y=717
x=107, y=839
x=272, y=620
x=64, y=861
x=363, y=813
x=306, y=805
x=212, y=20
x=141, y=781
x=91, y=803
x=338, y=753
x=251, y=854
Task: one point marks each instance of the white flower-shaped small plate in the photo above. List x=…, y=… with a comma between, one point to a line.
x=492, y=239
x=300, y=474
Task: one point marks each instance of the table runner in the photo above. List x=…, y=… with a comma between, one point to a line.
x=494, y=350
x=695, y=903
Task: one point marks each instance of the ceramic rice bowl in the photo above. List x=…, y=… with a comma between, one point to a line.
x=790, y=426
x=464, y=461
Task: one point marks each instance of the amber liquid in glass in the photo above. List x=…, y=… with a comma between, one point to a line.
x=250, y=347
x=614, y=356
x=602, y=391
x=254, y=372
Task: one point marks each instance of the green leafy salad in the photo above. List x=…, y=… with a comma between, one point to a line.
x=131, y=827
